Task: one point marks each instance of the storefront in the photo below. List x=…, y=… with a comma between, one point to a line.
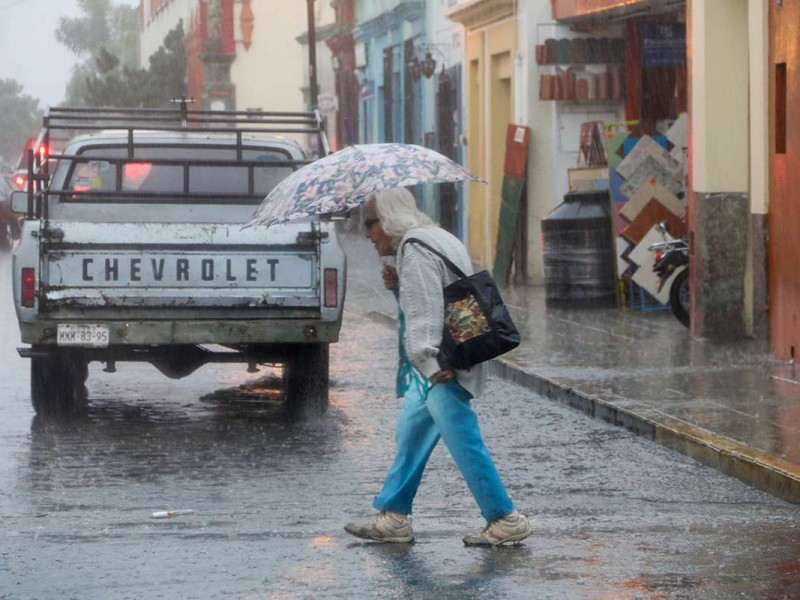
x=614, y=74
x=721, y=86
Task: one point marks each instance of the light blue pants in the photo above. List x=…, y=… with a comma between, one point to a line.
x=444, y=412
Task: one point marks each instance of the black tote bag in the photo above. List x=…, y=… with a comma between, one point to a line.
x=477, y=324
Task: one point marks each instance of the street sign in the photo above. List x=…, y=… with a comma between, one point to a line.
x=328, y=102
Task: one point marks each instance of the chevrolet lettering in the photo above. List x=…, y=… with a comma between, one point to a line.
x=133, y=249
x=188, y=269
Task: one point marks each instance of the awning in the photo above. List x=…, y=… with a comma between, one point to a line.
x=585, y=11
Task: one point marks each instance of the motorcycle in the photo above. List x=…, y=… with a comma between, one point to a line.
x=672, y=264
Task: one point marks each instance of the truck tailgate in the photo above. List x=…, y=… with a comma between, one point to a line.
x=146, y=265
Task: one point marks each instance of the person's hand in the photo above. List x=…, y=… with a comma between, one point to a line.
x=390, y=280
x=443, y=376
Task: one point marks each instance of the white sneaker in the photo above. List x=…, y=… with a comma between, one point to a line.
x=514, y=527
x=386, y=527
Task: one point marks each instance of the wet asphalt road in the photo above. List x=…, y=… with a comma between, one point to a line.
x=615, y=516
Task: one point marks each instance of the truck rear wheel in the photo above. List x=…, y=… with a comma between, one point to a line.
x=306, y=379
x=58, y=384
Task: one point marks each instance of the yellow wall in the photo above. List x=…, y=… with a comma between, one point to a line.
x=475, y=141
x=759, y=105
x=758, y=19
x=720, y=95
x=490, y=93
x=270, y=74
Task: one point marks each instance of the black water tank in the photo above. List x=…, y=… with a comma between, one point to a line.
x=578, y=251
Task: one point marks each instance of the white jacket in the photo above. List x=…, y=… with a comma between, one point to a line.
x=423, y=276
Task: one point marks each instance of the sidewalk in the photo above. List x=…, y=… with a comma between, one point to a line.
x=730, y=406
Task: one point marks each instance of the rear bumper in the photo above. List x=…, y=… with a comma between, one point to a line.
x=167, y=333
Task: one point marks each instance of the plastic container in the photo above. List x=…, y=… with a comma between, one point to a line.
x=578, y=252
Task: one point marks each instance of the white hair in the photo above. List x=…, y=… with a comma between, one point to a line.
x=398, y=212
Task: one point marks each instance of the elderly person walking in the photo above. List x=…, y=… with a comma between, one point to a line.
x=436, y=400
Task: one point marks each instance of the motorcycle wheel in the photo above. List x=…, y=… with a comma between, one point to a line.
x=679, y=297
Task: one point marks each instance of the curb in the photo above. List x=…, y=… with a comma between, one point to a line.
x=758, y=469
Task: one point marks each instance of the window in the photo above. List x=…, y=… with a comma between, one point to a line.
x=94, y=176
x=170, y=170
x=780, y=108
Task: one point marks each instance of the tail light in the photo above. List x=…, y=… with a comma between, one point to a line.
x=28, y=287
x=19, y=181
x=659, y=253
x=331, y=288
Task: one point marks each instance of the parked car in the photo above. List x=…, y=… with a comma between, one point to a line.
x=44, y=146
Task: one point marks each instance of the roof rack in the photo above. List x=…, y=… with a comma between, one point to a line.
x=183, y=119
x=180, y=118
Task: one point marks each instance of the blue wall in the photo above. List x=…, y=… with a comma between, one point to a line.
x=389, y=24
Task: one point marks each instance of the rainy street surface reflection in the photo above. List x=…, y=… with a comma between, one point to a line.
x=615, y=516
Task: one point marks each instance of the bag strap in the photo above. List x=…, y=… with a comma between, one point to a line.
x=450, y=264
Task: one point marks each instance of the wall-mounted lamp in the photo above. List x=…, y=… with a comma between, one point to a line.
x=428, y=65
x=415, y=67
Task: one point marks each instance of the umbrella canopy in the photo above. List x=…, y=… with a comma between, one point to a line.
x=345, y=179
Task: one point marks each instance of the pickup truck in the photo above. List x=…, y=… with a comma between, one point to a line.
x=133, y=249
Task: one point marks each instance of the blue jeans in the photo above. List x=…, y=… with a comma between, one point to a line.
x=444, y=412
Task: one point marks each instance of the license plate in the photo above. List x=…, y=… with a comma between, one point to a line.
x=93, y=336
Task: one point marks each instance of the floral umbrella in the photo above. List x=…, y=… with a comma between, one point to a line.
x=345, y=179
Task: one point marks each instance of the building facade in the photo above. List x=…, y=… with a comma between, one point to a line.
x=343, y=59
x=386, y=36
x=453, y=74
x=408, y=67
x=266, y=64
x=489, y=91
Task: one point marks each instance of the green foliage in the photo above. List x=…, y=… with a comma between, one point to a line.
x=107, y=38
x=166, y=77
x=22, y=119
